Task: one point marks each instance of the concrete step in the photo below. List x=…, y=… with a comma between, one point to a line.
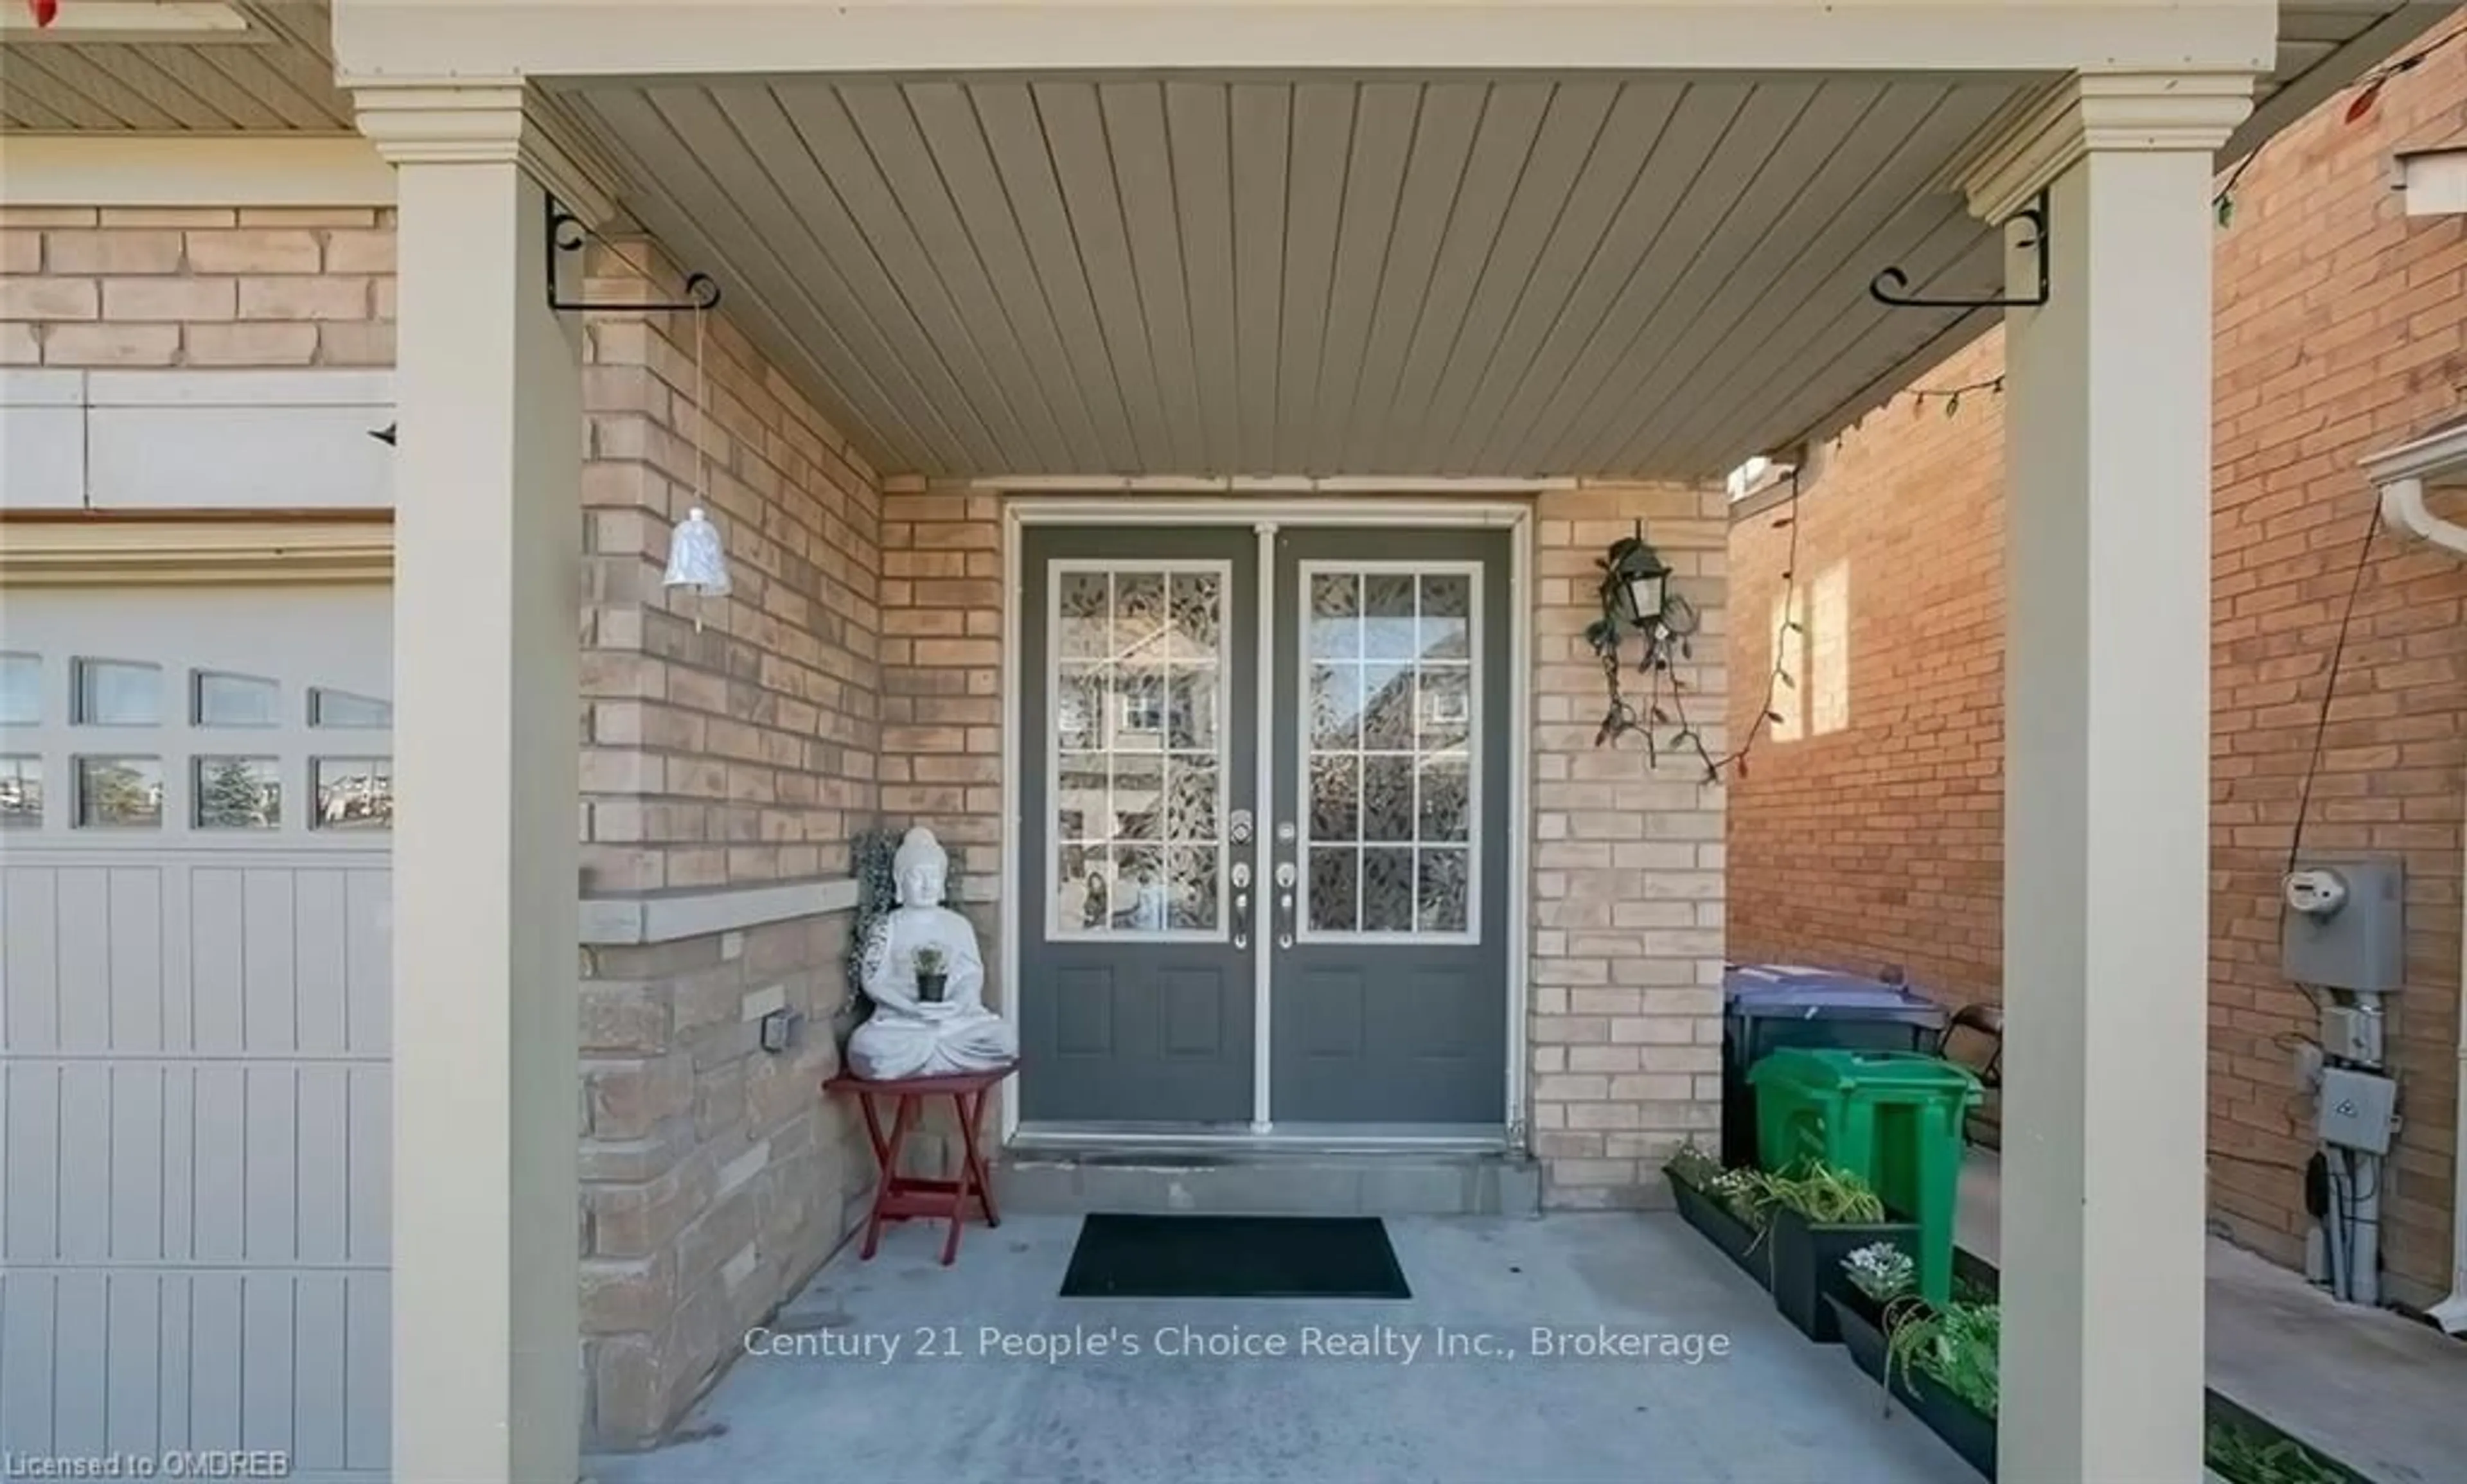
x=1267, y=1182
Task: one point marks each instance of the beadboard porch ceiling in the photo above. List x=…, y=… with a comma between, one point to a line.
x=1457, y=277
x=1644, y=275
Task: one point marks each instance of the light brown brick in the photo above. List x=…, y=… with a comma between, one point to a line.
x=303, y=298
x=370, y=252
x=169, y=216
x=21, y=250
x=169, y=299
x=112, y=251
x=255, y=252
x=47, y=217
x=111, y=345
x=355, y=343
x=50, y=298
x=308, y=216
x=250, y=345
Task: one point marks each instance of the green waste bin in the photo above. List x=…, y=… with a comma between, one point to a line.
x=1894, y=1118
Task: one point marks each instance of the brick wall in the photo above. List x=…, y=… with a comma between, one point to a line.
x=210, y=286
x=730, y=743
x=2339, y=331
x=1627, y=912
x=941, y=675
x=1869, y=830
x=1628, y=866
x=731, y=740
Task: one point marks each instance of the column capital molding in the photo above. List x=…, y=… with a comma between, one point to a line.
x=2096, y=112
x=496, y=120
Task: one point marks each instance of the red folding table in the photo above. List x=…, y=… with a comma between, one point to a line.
x=897, y=1196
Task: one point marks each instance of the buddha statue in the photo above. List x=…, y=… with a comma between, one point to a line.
x=909, y=1035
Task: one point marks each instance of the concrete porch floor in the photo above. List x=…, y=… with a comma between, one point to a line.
x=1775, y=1410
x=2378, y=1391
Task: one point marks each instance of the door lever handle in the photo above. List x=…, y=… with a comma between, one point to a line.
x=1284, y=919
x=1241, y=921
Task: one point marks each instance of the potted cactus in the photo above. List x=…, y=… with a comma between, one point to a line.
x=931, y=974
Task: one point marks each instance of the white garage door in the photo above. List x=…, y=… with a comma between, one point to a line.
x=195, y=793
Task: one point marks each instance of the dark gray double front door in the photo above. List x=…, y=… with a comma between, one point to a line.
x=1354, y=891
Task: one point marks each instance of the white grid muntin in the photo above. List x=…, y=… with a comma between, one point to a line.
x=1298, y=735
x=1057, y=570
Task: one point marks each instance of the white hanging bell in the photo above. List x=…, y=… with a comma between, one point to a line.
x=696, y=559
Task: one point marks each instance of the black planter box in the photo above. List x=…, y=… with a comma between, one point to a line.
x=2220, y=1411
x=1862, y=1330
x=1737, y=1238
x=1965, y=1430
x=1806, y=1265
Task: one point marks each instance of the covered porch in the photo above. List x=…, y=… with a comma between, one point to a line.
x=1544, y=269
x=1715, y=1387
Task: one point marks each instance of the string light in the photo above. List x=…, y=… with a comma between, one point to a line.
x=1950, y=396
x=1777, y=679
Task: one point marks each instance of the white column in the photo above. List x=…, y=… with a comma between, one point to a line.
x=2107, y=779
x=486, y=1382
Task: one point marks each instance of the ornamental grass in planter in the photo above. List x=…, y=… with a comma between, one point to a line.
x=1817, y=1216
x=1941, y=1364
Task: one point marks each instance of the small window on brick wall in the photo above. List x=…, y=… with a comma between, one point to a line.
x=1811, y=640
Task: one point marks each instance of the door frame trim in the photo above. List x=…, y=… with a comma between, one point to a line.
x=1021, y=511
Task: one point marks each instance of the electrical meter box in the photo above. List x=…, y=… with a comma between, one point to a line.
x=2344, y=925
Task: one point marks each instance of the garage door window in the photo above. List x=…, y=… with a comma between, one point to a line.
x=21, y=791
x=120, y=792
x=21, y=689
x=235, y=700
x=118, y=693
x=355, y=793
x=239, y=793
x=340, y=710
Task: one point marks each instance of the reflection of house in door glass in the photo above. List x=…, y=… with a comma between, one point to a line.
x=1137, y=762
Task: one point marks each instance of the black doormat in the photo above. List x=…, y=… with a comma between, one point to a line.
x=1233, y=1257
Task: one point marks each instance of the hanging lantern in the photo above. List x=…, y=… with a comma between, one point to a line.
x=696, y=559
x=1634, y=571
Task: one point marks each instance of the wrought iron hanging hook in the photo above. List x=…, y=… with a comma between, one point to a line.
x=568, y=232
x=1893, y=286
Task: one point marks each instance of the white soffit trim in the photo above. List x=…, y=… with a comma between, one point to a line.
x=423, y=40
x=205, y=169
x=2404, y=473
